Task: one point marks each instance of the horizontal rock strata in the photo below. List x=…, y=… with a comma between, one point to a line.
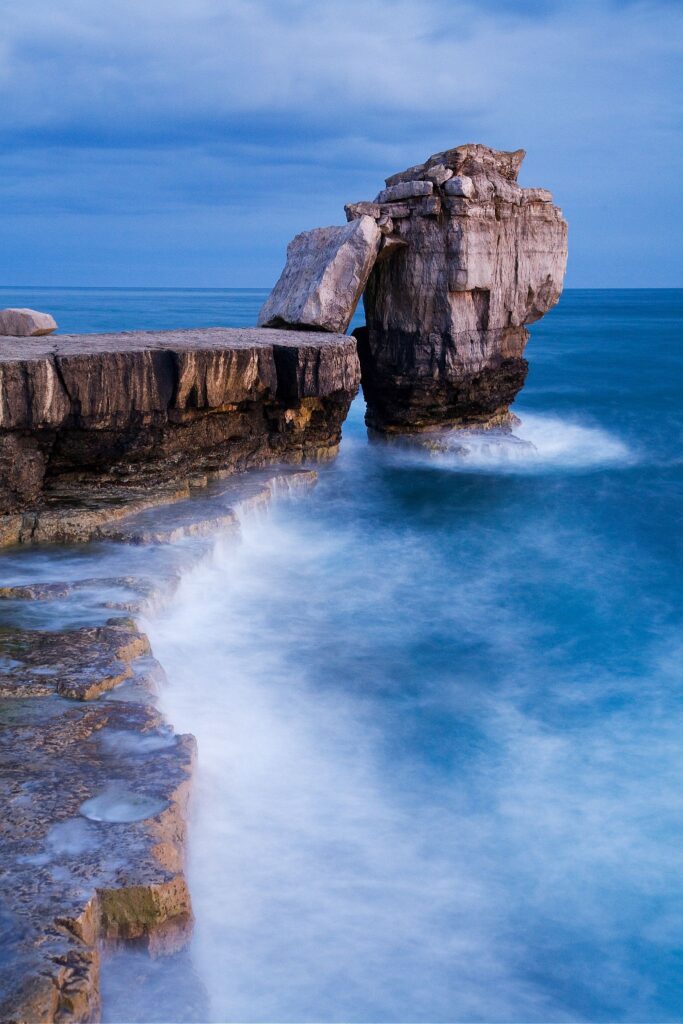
x=471, y=258
x=133, y=409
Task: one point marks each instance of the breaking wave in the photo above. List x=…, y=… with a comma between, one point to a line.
x=537, y=444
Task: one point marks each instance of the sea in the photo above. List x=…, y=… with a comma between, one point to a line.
x=438, y=701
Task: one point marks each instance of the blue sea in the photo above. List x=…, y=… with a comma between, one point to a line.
x=439, y=700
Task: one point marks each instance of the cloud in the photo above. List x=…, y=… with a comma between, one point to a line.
x=232, y=101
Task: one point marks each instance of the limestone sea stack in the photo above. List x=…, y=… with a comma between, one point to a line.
x=475, y=258
x=454, y=258
x=25, y=323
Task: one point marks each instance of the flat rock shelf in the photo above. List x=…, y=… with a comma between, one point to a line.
x=105, y=417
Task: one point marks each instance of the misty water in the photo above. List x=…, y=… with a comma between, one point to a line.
x=438, y=703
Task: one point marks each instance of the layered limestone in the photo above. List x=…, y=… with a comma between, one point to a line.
x=470, y=259
x=143, y=412
x=324, y=276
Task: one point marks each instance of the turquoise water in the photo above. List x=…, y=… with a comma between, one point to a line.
x=439, y=702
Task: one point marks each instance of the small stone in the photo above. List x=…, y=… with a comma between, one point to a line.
x=536, y=195
x=412, y=174
x=25, y=323
x=439, y=174
x=405, y=190
x=355, y=210
x=460, y=185
x=386, y=225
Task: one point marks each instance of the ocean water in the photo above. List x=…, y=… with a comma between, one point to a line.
x=439, y=703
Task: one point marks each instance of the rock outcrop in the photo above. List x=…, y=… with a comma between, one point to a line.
x=25, y=323
x=325, y=274
x=153, y=408
x=471, y=258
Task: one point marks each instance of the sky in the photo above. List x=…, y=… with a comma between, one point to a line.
x=182, y=143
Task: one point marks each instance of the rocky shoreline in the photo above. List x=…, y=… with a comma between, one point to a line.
x=95, y=782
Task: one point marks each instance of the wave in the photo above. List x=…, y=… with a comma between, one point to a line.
x=537, y=444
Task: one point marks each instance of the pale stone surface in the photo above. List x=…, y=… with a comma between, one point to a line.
x=25, y=323
x=460, y=185
x=405, y=190
x=439, y=174
x=325, y=274
x=355, y=210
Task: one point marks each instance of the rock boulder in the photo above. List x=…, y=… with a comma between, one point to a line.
x=324, y=277
x=25, y=323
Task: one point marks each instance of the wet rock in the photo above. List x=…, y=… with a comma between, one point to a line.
x=324, y=276
x=71, y=884
x=447, y=314
x=79, y=664
x=88, y=416
x=94, y=787
x=25, y=323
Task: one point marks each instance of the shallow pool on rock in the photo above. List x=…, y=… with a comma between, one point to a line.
x=117, y=804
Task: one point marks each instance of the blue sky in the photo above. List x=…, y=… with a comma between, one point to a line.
x=184, y=142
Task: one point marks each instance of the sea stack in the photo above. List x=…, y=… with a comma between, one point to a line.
x=474, y=258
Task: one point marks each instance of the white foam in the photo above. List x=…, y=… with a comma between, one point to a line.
x=539, y=444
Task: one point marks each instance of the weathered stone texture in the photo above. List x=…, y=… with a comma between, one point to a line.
x=25, y=323
x=325, y=274
x=152, y=407
x=481, y=257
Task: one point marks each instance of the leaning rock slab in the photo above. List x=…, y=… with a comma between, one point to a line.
x=325, y=274
x=25, y=323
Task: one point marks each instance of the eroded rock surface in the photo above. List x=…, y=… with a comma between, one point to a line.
x=471, y=258
x=325, y=274
x=149, y=408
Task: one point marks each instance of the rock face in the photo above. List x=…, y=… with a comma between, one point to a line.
x=325, y=274
x=475, y=258
x=145, y=409
x=25, y=323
